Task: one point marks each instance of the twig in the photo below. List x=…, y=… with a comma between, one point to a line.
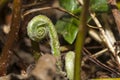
x=34, y=4
x=108, y=30
x=95, y=35
x=12, y=37
x=115, y=12
x=99, y=53
x=46, y=8
x=106, y=39
x=94, y=60
x=94, y=27
x=104, y=66
x=94, y=47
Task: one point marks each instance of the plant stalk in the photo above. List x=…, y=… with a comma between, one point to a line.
x=80, y=40
x=12, y=38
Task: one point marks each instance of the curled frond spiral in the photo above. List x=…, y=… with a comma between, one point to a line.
x=37, y=29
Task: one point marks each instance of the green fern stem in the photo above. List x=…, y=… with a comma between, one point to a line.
x=80, y=39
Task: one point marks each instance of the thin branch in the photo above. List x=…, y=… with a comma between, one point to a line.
x=95, y=35
x=115, y=12
x=90, y=26
x=46, y=8
x=106, y=39
x=99, y=53
x=94, y=60
x=33, y=4
x=104, y=66
x=108, y=30
x=12, y=38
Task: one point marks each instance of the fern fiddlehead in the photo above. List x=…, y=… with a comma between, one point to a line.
x=39, y=27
